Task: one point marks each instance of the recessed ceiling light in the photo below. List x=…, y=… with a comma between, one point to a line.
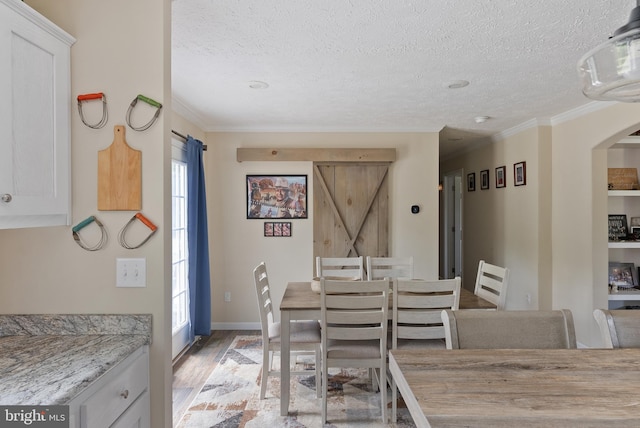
x=481, y=119
x=457, y=84
x=257, y=84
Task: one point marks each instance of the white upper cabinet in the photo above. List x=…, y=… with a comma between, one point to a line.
x=35, y=108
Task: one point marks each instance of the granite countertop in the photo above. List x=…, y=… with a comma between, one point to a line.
x=50, y=359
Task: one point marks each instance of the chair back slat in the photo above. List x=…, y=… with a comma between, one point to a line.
x=389, y=267
x=491, y=283
x=420, y=316
x=421, y=333
x=434, y=301
x=340, y=267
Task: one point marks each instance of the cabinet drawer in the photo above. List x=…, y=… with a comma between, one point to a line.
x=136, y=416
x=106, y=405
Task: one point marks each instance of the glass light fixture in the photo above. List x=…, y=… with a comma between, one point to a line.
x=611, y=71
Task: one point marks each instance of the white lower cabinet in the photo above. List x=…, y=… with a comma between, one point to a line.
x=119, y=399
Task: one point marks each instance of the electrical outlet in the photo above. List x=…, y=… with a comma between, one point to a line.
x=131, y=272
x=227, y=296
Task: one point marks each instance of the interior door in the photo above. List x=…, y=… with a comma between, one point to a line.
x=452, y=226
x=350, y=210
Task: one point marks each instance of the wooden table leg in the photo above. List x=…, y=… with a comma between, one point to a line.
x=285, y=360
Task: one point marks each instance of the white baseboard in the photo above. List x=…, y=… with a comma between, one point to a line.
x=235, y=326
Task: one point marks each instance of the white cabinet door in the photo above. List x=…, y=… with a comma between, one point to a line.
x=35, y=106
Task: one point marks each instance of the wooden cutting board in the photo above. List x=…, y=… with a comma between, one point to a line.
x=119, y=175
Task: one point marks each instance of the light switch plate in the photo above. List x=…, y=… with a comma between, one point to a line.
x=131, y=272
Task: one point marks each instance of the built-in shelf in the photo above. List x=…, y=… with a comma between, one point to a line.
x=625, y=297
x=624, y=244
x=625, y=294
x=630, y=142
x=624, y=192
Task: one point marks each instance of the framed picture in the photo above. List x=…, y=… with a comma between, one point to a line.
x=520, y=174
x=276, y=196
x=471, y=182
x=501, y=177
x=272, y=229
x=617, y=227
x=623, y=275
x=484, y=179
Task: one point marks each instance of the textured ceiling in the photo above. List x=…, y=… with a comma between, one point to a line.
x=366, y=65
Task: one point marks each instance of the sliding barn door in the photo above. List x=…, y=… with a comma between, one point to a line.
x=350, y=210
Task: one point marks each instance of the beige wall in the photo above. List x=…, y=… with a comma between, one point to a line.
x=552, y=232
x=238, y=244
x=503, y=226
x=579, y=210
x=44, y=271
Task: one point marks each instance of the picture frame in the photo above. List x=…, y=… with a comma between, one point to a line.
x=277, y=229
x=484, y=179
x=520, y=174
x=276, y=196
x=471, y=182
x=618, y=229
x=501, y=177
x=623, y=275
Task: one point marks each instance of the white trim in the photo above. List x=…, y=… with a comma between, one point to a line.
x=235, y=326
x=179, y=106
x=324, y=129
x=35, y=17
x=581, y=111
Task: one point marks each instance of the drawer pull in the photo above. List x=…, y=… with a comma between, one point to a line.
x=6, y=198
x=125, y=394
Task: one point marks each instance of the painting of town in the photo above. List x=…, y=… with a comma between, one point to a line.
x=276, y=196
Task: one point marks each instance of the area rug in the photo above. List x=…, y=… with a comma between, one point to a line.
x=230, y=397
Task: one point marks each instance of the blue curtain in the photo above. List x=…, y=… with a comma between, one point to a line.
x=197, y=233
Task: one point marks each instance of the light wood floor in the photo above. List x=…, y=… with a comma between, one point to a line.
x=192, y=369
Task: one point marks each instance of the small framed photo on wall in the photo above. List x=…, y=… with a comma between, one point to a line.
x=471, y=182
x=277, y=229
x=501, y=177
x=520, y=174
x=484, y=179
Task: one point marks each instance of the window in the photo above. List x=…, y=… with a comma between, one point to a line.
x=180, y=262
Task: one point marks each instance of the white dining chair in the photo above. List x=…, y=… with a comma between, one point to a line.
x=305, y=335
x=619, y=328
x=354, y=331
x=416, y=317
x=491, y=284
x=340, y=267
x=472, y=329
x=389, y=267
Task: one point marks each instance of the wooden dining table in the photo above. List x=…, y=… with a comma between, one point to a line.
x=520, y=387
x=299, y=302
